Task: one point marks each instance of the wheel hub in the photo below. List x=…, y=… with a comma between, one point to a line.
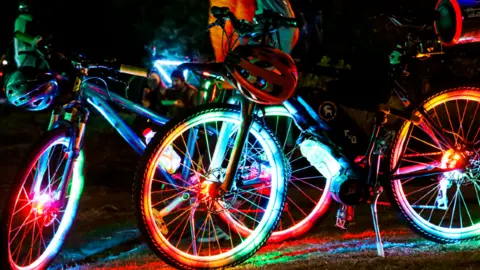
x=44, y=207
x=463, y=160
x=458, y=157
x=210, y=194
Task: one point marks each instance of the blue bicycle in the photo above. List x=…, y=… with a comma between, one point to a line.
x=45, y=196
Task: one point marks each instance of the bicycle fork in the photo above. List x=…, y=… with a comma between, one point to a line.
x=76, y=134
x=247, y=110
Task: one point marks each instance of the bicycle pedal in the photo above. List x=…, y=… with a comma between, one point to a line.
x=159, y=222
x=345, y=216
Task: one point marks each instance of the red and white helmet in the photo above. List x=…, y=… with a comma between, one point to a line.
x=262, y=74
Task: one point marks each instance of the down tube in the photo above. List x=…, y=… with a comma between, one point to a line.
x=122, y=128
x=94, y=90
x=117, y=122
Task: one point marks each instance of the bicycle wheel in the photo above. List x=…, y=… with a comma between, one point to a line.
x=176, y=208
x=35, y=223
x=308, y=195
x=444, y=208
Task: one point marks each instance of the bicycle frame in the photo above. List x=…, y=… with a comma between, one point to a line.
x=98, y=98
x=308, y=121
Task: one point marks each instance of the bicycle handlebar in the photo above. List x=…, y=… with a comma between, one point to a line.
x=277, y=19
x=244, y=28
x=221, y=12
x=125, y=69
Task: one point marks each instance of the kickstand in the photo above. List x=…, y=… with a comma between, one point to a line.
x=376, y=227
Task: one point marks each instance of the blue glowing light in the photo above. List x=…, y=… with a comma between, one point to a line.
x=161, y=65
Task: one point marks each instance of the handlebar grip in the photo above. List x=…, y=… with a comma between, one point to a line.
x=136, y=71
x=27, y=38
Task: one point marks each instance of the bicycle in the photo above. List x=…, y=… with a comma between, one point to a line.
x=200, y=197
x=300, y=214
x=52, y=206
x=450, y=159
x=308, y=199
x=309, y=181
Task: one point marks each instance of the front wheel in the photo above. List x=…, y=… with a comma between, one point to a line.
x=185, y=221
x=37, y=219
x=444, y=207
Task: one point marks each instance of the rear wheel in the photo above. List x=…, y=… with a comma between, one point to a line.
x=35, y=223
x=445, y=207
x=308, y=195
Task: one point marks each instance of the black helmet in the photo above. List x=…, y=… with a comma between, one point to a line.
x=31, y=88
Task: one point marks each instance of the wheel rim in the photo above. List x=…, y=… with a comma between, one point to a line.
x=253, y=238
x=308, y=193
x=43, y=214
x=454, y=216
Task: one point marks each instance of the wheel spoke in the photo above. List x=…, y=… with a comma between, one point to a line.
x=38, y=221
x=452, y=198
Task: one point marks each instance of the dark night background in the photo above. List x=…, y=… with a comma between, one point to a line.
x=117, y=28
x=123, y=27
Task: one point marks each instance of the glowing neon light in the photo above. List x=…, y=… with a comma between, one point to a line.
x=148, y=133
x=76, y=189
x=321, y=206
x=159, y=65
x=462, y=93
x=70, y=211
x=169, y=160
x=253, y=237
x=41, y=202
x=319, y=156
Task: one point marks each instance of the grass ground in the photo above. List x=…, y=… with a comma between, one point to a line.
x=104, y=236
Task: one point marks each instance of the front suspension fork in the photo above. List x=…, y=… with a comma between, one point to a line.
x=75, y=148
x=248, y=108
x=75, y=145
